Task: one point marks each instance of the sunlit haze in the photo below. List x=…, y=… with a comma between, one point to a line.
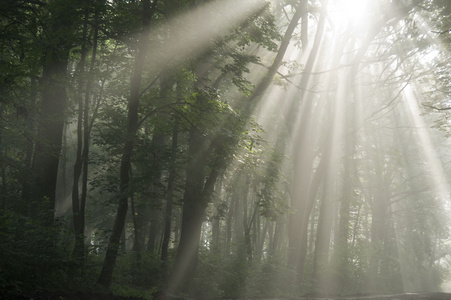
x=351, y=14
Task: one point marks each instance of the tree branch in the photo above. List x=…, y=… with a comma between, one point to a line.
x=435, y=107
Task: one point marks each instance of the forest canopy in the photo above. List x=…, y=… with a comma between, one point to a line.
x=225, y=148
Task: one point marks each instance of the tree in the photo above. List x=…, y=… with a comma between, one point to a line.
x=57, y=45
x=104, y=279
x=84, y=126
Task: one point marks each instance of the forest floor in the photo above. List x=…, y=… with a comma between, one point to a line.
x=65, y=296
x=407, y=296
x=95, y=296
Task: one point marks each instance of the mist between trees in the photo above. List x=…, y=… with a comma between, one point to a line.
x=224, y=149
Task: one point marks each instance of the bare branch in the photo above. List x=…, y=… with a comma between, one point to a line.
x=436, y=108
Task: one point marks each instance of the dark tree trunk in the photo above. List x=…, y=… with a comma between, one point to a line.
x=238, y=216
x=31, y=131
x=50, y=133
x=267, y=79
x=125, y=168
x=83, y=136
x=3, y=187
x=52, y=110
x=229, y=223
x=192, y=215
x=198, y=191
x=138, y=240
x=157, y=193
x=154, y=229
x=78, y=166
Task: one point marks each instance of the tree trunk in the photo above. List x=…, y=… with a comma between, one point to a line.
x=341, y=248
x=154, y=229
x=302, y=162
x=192, y=215
x=78, y=166
x=105, y=276
x=138, y=220
x=3, y=187
x=169, y=198
x=195, y=200
x=50, y=133
x=301, y=10
x=157, y=193
x=27, y=178
x=323, y=234
x=216, y=220
x=87, y=137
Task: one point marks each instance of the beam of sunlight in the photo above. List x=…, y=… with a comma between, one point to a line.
x=345, y=14
x=437, y=174
x=189, y=35
x=322, y=110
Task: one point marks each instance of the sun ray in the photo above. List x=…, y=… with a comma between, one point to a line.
x=435, y=169
x=192, y=33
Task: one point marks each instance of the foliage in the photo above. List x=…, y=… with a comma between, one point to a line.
x=34, y=256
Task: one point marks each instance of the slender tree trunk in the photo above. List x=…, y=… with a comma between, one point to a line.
x=138, y=241
x=303, y=159
x=261, y=243
x=105, y=276
x=87, y=126
x=323, y=234
x=341, y=246
x=83, y=137
x=267, y=79
x=157, y=194
x=216, y=221
x=229, y=222
x=169, y=198
x=276, y=237
x=341, y=249
x=238, y=216
x=78, y=230
x=154, y=229
x=50, y=133
x=31, y=131
x=3, y=187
